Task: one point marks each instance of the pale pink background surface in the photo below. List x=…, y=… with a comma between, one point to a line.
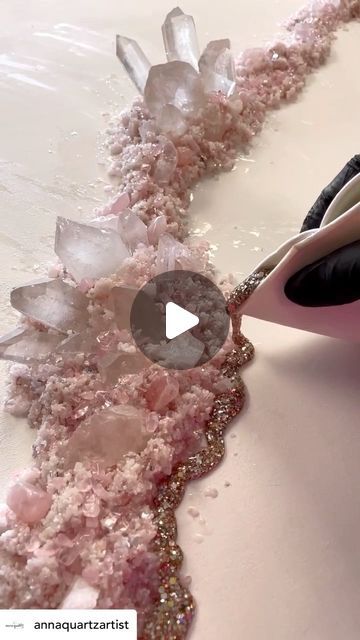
x=279, y=554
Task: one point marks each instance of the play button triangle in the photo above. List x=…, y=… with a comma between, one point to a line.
x=178, y=320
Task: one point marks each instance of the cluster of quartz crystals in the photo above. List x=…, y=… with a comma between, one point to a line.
x=178, y=89
x=56, y=312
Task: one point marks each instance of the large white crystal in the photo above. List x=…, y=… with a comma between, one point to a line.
x=132, y=230
x=180, y=39
x=217, y=67
x=134, y=60
x=175, y=83
x=25, y=344
x=107, y=436
x=88, y=252
x=53, y=303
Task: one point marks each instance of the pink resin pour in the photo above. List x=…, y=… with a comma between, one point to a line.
x=77, y=529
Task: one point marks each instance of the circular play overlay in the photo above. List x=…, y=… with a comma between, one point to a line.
x=179, y=320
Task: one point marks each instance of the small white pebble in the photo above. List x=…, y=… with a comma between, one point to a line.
x=210, y=492
x=193, y=512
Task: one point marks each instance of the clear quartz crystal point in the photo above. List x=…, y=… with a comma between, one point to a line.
x=24, y=344
x=53, y=303
x=180, y=39
x=175, y=83
x=134, y=60
x=88, y=252
x=217, y=67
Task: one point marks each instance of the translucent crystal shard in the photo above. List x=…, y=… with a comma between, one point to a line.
x=172, y=255
x=132, y=230
x=122, y=299
x=125, y=364
x=175, y=83
x=170, y=120
x=134, y=60
x=25, y=344
x=217, y=67
x=180, y=39
x=88, y=252
x=53, y=303
x=107, y=436
x=166, y=163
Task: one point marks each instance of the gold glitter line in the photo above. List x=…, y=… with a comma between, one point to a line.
x=172, y=615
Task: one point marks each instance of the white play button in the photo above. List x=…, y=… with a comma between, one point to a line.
x=178, y=320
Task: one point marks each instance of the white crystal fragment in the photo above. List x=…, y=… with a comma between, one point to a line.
x=88, y=252
x=182, y=352
x=217, y=67
x=81, y=595
x=24, y=344
x=132, y=230
x=172, y=255
x=53, y=303
x=166, y=162
x=175, y=83
x=180, y=39
x=134, y=60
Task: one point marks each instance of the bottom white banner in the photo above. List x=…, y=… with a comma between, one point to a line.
x=44, y=624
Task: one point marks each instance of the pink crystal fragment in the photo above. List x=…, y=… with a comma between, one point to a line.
x=107, y=436
x=29, y=503
x=80, y=596
x=118, y=205
x=156, y=229
x=162, y=390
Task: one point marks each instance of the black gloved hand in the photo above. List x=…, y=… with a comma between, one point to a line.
x=334, y=279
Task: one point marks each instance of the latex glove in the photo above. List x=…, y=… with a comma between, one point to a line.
x=334, y=279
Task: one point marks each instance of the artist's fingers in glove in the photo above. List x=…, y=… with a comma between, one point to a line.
x=332, y=280
x=318, y=210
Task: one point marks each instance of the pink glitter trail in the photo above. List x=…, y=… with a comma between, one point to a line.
x=82, y=533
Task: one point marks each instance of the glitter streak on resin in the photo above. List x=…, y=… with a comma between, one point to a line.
x=115, y=528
